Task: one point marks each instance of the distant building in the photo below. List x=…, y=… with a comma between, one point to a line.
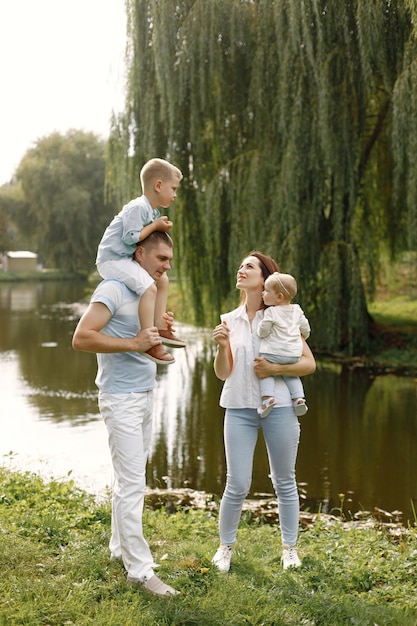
x=20, y=261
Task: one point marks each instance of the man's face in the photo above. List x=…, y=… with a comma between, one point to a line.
x=155, y=260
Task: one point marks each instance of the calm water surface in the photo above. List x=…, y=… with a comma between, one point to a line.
x=359, y=437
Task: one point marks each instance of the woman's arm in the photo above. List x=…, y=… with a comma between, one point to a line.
x=223, y=361
x=306, y=365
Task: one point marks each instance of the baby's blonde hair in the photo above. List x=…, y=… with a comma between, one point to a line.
x=158, y=169
x=283, y=283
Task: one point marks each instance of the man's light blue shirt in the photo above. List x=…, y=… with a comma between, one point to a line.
x=122, y=372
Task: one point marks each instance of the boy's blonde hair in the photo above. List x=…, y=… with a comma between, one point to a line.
x=283, y=283
x=158, y=169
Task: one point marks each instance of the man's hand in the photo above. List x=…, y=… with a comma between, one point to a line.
x=89, y=338
x=146, y=339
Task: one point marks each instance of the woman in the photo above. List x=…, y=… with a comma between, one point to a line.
x=236, y=362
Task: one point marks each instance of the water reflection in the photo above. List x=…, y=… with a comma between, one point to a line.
x=358, y=438
x=361, y=442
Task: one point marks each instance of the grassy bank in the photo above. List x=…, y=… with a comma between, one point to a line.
x=55, y=567
x=40, y=275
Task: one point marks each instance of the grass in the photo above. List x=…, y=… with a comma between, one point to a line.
x=395, y=303
x=394, y=313
x=55, y=567
x=397, y=312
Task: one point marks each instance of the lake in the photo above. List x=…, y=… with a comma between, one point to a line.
x=359, y=437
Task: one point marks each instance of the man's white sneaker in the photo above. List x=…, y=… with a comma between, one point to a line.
x=154, y=585
x=290, y=557
x=222, y=558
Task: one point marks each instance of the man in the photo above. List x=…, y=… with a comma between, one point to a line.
x=125, y=378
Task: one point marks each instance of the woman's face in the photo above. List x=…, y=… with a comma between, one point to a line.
x=249, y=274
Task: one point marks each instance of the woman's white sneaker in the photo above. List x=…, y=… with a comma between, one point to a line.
x=290, y=557
x=222, y=558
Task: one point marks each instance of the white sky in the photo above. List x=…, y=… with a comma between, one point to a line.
x=61, y=67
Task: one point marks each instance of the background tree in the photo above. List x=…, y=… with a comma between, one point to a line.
x=14, y=212
x=4, y=235
x=62, y=181
x=295, y=126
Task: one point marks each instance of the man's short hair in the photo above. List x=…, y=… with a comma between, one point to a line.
x=155, y=238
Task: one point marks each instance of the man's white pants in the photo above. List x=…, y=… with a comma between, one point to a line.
x=128, y=418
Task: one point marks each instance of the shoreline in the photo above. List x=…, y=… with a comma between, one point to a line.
x=265, y=508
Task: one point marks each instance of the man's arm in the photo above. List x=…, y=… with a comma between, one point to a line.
x=88, y=338
x=306, y=365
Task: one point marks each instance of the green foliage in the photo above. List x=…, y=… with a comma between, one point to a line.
x=13, y=209
x=55, y=568
x=295, y=127
x=4, y=236
x=63, y=213
x=52, y=512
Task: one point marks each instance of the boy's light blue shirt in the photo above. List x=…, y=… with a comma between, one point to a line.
x=122, y=372
x=122, y=234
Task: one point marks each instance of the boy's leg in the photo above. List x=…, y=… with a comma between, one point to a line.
x=146, y=313
x=161, y=299
x=147, y=307
x=165, y=331
x=128, y=272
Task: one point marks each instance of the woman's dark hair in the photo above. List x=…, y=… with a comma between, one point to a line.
x=268, y=266
x=267, y=263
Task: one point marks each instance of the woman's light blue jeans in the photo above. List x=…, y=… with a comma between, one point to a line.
x=281, y=431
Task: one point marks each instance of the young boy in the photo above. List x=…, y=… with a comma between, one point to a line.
x=281, y=330
x=138, y=219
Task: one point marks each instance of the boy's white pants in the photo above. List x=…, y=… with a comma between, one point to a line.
x=128, y=272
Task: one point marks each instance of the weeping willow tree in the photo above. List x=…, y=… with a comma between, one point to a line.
x=295, y=125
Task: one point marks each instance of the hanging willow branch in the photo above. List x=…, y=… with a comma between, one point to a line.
x=295, y=126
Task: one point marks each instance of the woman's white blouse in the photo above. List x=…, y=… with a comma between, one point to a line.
x=242, y=389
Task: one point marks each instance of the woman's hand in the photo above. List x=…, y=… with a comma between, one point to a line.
x=264, y=368
x=306, y=365
x=221, y=334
